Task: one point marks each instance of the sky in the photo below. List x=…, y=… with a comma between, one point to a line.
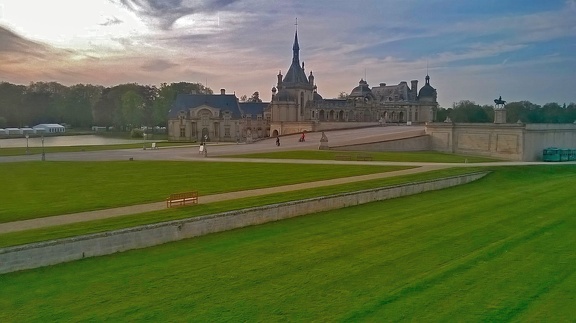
x=472, y=50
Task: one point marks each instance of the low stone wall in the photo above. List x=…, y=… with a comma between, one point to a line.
x=416, y=143
x=58, y=251
x=523, y=142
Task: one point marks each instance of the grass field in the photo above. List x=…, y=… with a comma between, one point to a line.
x=16, y=151
x=499, y=249
x=35, y=189
x=393, y=156
x=120, y=222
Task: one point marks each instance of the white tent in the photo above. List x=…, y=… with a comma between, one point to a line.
x=49, y=128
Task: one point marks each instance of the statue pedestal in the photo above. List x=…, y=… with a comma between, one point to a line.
x=323, y=142
x=499, y=116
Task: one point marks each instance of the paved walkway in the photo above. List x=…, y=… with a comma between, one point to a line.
x=135, y=209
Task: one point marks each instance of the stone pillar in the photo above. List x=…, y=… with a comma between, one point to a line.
x=499, y=115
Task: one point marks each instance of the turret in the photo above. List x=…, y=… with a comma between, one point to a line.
x=279, y=85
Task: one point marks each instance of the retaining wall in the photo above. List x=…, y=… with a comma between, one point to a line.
x=58, y=251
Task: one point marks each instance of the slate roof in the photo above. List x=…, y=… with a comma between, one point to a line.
x=427, y=90
x=253, y=108
x=295, y=74
x=223, y=102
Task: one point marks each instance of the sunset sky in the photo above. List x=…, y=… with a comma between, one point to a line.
x=473, y=50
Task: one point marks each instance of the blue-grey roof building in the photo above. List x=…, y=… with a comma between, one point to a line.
x=216, y=117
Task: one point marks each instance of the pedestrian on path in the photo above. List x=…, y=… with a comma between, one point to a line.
x=277, y=141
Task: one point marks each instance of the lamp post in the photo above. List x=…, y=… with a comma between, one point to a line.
x=27, y=150
x=43, y=154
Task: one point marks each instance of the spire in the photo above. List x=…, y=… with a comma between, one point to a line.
x=296, y=50
x=295, y=74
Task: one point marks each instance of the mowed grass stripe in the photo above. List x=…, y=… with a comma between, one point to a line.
x=35, y=189
x=405, y=258
x=64, y=231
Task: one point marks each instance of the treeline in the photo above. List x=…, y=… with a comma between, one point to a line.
x=84, y=105
x=523, y=111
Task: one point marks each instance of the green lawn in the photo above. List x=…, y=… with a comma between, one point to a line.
x=499, y=249
x=393, y=156
x=120, y=222
x=39, y=189
x=15, y=151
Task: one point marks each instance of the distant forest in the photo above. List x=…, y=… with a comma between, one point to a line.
x=133, y=105
x=123, y=106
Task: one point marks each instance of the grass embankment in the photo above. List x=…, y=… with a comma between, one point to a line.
x=409, y=156
x=120, y=222
x=498, y=249
x=34, y=189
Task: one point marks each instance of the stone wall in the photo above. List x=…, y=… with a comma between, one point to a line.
x=417, y=143
x=523, y=142
x=538, y=137
x=58, y=251
x=503, y=141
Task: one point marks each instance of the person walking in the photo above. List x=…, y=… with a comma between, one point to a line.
x=277, y=141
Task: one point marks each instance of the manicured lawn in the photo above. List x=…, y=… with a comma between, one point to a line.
x=76, y=229
x=39, y=189
x=499, y=249
x=404, y=156
x=38, y=150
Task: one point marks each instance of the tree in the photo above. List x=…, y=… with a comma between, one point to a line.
x=442, y=114
x=165, y=97
x=132, y=108
x=468, y=111
x=554, y=113
x=255, y=97
x=80, y=103
x=11, y=97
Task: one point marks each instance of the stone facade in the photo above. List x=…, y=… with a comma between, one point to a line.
x=295, y=99
x=296, y=106
x=207, y=117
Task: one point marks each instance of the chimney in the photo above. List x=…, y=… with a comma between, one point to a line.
x=222, y=91
x=414, y=85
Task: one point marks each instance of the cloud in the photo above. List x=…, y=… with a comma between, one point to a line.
x=111, y=21
x=165, y=13
x=158, y=65
x=10, y=42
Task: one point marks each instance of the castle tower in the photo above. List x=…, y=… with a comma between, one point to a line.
x=294, y=91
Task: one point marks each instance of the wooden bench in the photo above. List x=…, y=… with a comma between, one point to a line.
x=180, y=199
x=343, y=157
x=364, y=157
